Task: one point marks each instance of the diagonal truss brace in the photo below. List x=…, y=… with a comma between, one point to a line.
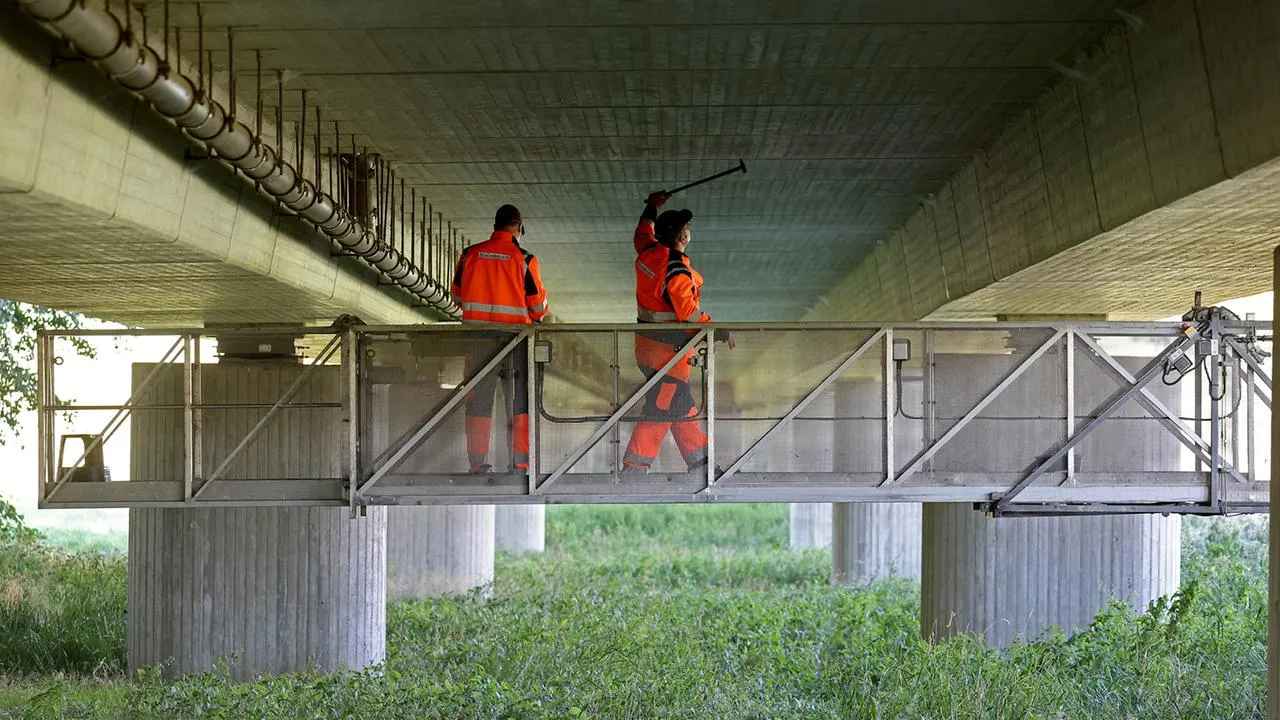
x=410, y=444
x=1257, y=368
x=808, y=399
x=1162, y=413
x=924, y=455
x=122, y=413
x=1137, y=387
x=622, y=410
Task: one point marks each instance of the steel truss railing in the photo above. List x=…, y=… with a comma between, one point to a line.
x=412, y=464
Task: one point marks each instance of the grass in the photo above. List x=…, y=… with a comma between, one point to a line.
x=685, y=612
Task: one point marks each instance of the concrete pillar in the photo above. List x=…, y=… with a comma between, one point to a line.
x=521, y=528
x=435, y=550
x=432, y=550
x=1018, y=576
x=282, y=589
x=873, y=540
x=805, y=447
x=1006, y=577
x=810, y=525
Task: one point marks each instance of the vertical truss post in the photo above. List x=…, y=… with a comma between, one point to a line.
x=711, y=412
x=890, y=405
x=44, y=419
x=1250, y=422
x=197, y=416
x=1215, y=428
x=188, y=420
x=535, y=417
x=615, y=463
x=1233, y=412
x=1070, y=404
x=352, y=392
x=1199, y=402
x=928, y=404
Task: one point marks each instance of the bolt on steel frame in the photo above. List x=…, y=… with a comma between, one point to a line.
x=779, y=370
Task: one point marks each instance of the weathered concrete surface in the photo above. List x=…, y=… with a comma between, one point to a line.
x=846, y=113
x=284, y=589
x=1121, y=190
x=1018, y=576
x=439, y=550
x=102, y=215
x=875, y=540
x=810, y=525
x=521, y=528
x=1001, y=578
x=281, y=589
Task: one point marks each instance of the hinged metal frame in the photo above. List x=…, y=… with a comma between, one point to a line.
x=1045, y=488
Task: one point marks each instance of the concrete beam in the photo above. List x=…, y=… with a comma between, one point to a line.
x=103, y=215
x=1100, y=196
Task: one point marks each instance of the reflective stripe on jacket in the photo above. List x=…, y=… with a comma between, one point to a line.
x=668, y=289
x=498, y=281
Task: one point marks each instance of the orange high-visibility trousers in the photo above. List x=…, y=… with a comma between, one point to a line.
x=479, y=420
x=668, y=406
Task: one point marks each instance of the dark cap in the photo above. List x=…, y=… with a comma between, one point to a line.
x=506, y=215
x=670, y=223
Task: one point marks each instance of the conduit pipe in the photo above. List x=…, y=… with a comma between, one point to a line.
x=98, y=36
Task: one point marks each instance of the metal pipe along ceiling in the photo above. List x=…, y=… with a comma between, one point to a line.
x=98, y=36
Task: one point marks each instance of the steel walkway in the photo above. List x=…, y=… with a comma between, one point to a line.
x=1025, y=418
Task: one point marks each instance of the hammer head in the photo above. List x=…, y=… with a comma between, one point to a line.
x=742, y=166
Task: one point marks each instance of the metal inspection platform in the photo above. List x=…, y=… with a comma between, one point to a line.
x=1020, y=418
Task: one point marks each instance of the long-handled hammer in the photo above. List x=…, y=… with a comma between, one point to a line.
x=742, y=168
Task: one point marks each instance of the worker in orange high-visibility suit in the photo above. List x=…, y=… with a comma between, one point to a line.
x=498, y=282
x=668, y=290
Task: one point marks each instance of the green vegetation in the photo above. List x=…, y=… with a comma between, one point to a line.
x=679, y=612
x=19, y=322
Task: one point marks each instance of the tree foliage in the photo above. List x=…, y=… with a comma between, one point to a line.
x=19, y=323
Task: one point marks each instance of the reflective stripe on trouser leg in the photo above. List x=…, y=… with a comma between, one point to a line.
x=691, y=441
x=646, y=441
x=520, y=441
x=478, y=439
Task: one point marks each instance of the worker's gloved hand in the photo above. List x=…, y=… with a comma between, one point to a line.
x=658, y=198
x=725, y=336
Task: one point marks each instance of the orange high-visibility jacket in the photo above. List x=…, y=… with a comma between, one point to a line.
x=668, y=289
x=497, y=281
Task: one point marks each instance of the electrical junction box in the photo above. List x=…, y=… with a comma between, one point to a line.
x=542, y=352
x=901, y=350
